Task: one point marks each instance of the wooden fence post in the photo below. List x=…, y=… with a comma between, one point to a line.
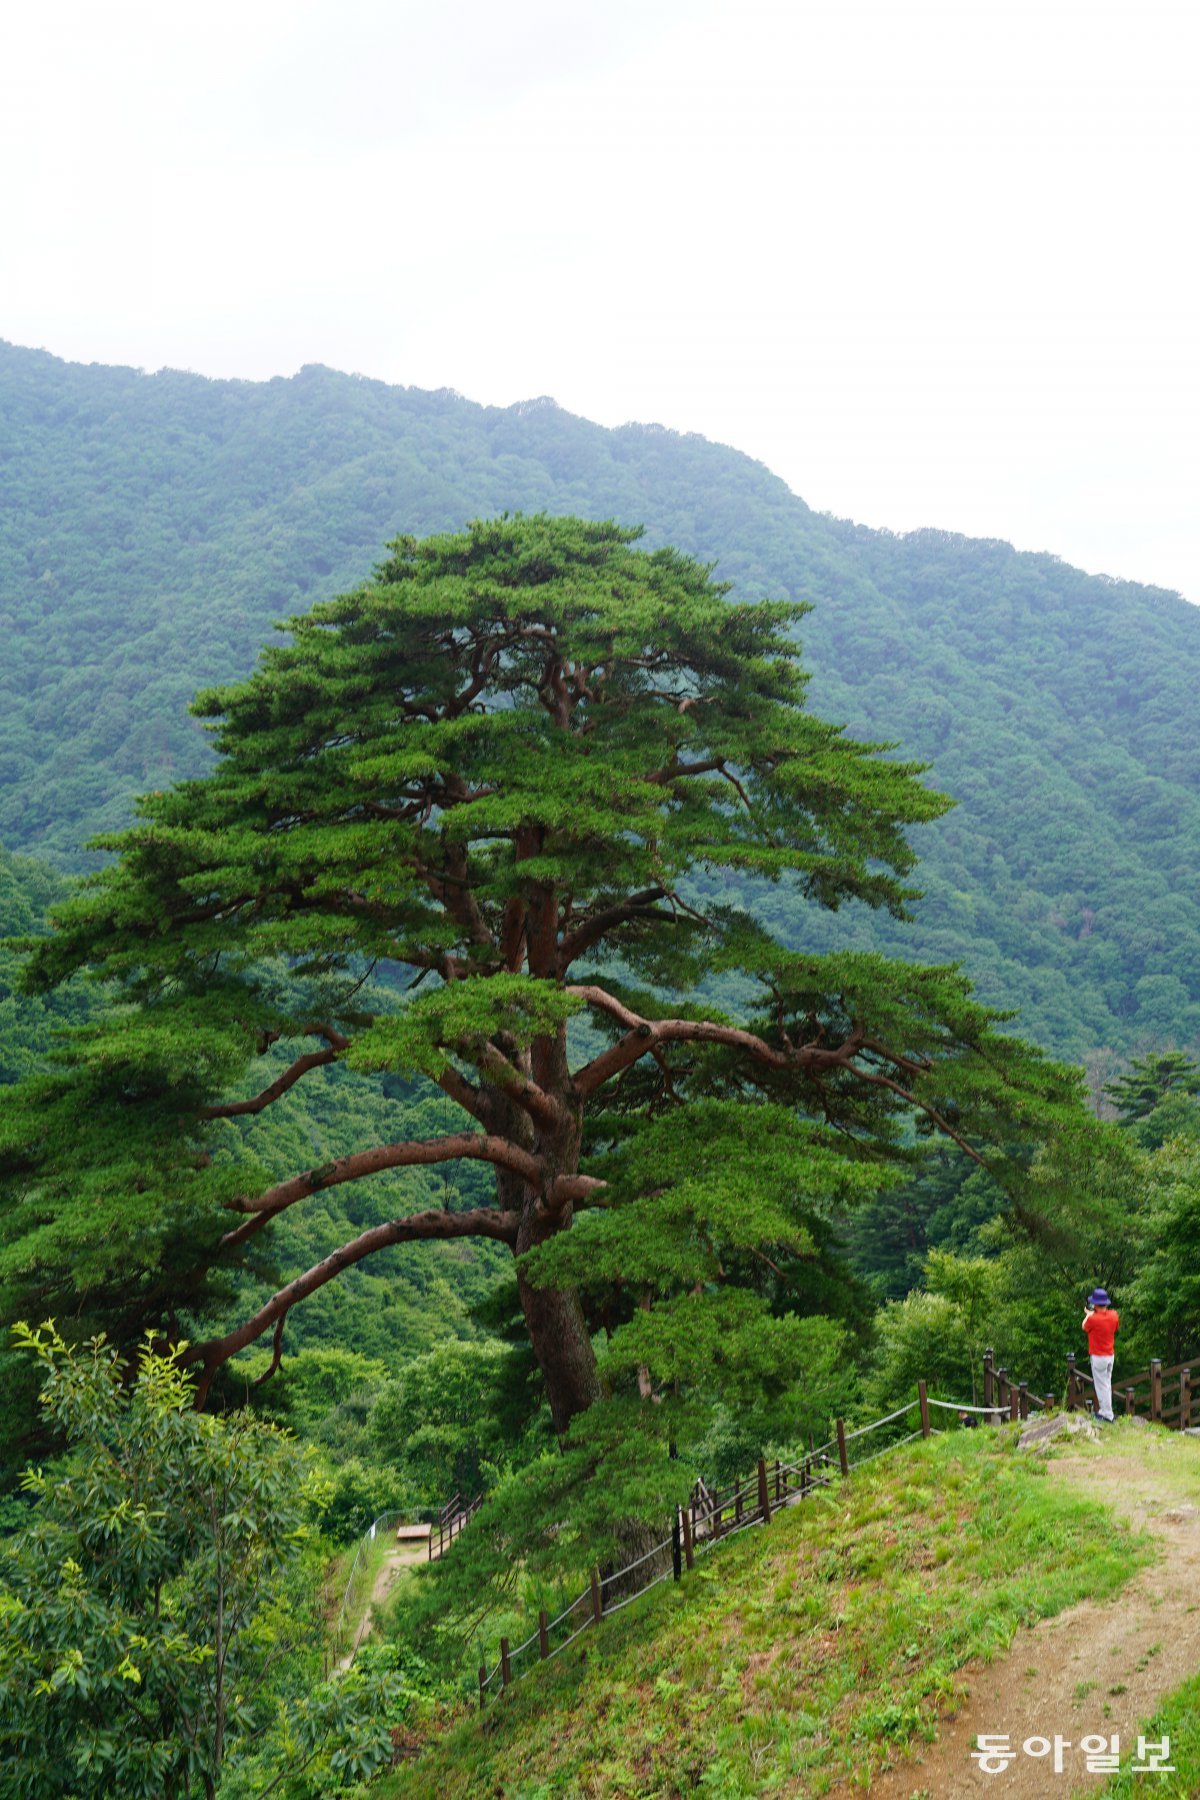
x=764, y=1495
x=1023, y=1394
x=505, y=1666
x=1051, y=1401
x=1156, y=1390
x=841, y=1438
x=1185, y=1399
x=543, y=1634
x=689, y=1547
x=1072, y=1382
x=923, y=1402
x=1014, y=1402
x=597, y=1602
x=989, y=1377
x=1002, y=1389
x=1130, y=1404
x=780, y=1482
x=482, y=1685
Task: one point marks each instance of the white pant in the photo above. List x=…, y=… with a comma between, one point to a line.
x=1102, y=1368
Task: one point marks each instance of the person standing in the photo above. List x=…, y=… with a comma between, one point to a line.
x=1101, y=1322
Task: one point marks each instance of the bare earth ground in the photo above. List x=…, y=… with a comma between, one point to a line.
x=401, y=1556
x=1095, y=1670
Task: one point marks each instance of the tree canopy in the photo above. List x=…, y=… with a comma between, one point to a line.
x=471, y=827
x=145, y=1606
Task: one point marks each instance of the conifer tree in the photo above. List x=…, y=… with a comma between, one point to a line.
x=537, y=782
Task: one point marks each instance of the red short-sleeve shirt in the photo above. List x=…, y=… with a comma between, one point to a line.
x=1101, y=1329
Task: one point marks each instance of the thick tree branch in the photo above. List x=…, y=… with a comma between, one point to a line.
x=236, y=1109
x=416, y=1153
x=676, y=771
x=644, y=1034
x=480, y=1221
x=566, y=1188
x=462, y=1093
x=517, y=1086
x=590, y=931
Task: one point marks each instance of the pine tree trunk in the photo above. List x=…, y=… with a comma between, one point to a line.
x=558, y=1332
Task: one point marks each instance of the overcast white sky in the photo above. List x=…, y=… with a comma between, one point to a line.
x=935, y=262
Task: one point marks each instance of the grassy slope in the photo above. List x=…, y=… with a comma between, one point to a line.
x=803, y=1656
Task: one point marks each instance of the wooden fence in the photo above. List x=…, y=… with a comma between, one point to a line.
x=1162, y=1395
x=451, y=1521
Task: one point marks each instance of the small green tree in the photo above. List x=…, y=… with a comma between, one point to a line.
x=1148, y=1081
x=972, y=1284
x=141, y=1613
x=923, y=1337
x=1165, y=1291
x=439, y=1422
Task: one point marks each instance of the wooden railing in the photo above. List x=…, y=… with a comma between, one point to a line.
x=1164, y=1396
x=452, y=1520
x=1161, y=1395
x=1005, y=1398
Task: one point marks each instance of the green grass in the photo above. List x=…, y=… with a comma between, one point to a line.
x=1179, y=1719
x=359, y=1597
x=801, y=1655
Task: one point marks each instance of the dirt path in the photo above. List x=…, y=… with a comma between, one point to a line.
x=400, y=1557
x=1093, y=1671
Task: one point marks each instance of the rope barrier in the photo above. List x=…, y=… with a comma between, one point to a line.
x=629, y=1567
x=876, y=1423
x=568, y=1610
x=667, y=1575
x=961, y=1406
x=884, y=1448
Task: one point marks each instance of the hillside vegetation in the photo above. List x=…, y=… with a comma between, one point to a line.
x=155, y=527
x=839, y=1642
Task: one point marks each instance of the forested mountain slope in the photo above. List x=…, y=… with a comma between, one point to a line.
x=152, y=528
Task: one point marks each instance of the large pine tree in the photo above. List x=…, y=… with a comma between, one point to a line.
x=501, y=821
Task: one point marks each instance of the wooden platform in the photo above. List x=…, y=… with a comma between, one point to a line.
x=406, y=1534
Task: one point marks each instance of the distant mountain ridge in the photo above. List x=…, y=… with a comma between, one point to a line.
x=153, y=528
